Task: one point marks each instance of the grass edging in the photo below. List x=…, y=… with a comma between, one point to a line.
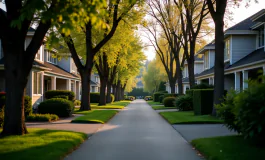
x=95, y=116
x=229, y=148
x=180, y=117
x=56, y=144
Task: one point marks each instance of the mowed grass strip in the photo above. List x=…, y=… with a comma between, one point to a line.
x=155, y=107
x=189, y=118
x=114, y=105
x=40, y=144
x=153, y=103
x=228, y=148
x=95, y=116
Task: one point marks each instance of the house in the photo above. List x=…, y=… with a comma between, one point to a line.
x=94, y=83
x=48, y=73
x=198, y=68
x=244, y=54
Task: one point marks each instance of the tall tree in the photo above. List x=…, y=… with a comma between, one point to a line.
x=166, y=32
x=15, y=22
x=117, y=11
x=193, y=17
x=217, y=9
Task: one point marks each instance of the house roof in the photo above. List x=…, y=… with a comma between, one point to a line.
x=247, y=23
x=253, y=57
x=35, y=63
x=58, y=70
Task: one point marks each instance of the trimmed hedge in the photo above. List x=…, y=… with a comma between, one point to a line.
x=77, y=103
x=189, y=92
x=42, y=118
x=169, y=101
x=161, y=98
x=203, y=86
x=170, y=95
x=60, y=107
x=202, y=101
x=156, y=96
x=95, y=97
x=55, y=93
x=62, y=96
x=184, y=103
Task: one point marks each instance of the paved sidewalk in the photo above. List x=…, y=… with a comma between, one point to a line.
x=65, y=124
x=137, y=133
x=194, y=131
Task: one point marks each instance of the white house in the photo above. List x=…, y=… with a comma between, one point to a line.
x=244, y=53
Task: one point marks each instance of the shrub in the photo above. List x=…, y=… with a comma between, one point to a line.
x=184, y=103
x=202, y=101
x=226, y=111
x=131, y=98
x=148, y=98
x=62, y=96
x=169, y=101
x=203, y=86
x=161, y=98
x=156, y=96
x=27, y=105
x=94, y=97
x=189, y=92
x=60, y=107
x=77, y=102
x=55, y=93
x=170, y=95
x=42, y=118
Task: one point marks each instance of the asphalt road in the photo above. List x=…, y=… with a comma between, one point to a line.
x=136, y=133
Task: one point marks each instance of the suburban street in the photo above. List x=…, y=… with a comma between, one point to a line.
x=136, y=133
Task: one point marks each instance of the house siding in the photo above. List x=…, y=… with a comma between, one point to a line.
x=65, y=64
x=36, y=99
x=242, y=46
x=212, y=58
x=198, y=68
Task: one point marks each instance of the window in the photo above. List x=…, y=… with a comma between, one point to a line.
x=206, y=60
x=37, y=78
x=51, y=59
x=261, y=37
x=227, y=50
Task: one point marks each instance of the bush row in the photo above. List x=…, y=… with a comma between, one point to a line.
x=69, y=95
x=42, y=118
x=95, y=97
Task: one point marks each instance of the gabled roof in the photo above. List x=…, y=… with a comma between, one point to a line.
x=59, y=71
x=247, y=23
x=209, y=46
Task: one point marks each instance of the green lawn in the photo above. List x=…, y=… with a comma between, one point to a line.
x=153, y=103
x=40, y=144
x=188, y=118
x=228, y=148
x=95, y=116
x=155, y=107
x=114, y=105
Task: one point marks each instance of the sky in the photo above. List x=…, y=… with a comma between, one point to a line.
x=239, y=14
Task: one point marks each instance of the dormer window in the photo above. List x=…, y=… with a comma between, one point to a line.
x=261, y=38
x=227, y=50
x=51, y=59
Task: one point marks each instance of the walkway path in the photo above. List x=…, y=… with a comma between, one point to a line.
x=137, y=133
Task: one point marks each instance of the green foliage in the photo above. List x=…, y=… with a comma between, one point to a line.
x=138, y=92
x=42, y=118
x=62, y=96
x=184, y=102
x=162, y=86
x=169, y=101
x=157, y=95
x=27, y=105
x=148, y=98
x=2, y=116
x=60, y=93
x=202, y=101
x=161, y=98
x=170, y=95
x=189, y=92
x=77, y=102
x=60, y=107
x=112, y=98
x=226, y=111
x=202, y=86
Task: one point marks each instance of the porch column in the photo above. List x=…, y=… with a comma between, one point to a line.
x=53, y=83
x=245, y=79
x=237, y=81
x=68, y=84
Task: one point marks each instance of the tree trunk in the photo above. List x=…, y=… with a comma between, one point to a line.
x=172, y=84
x=179, y=75
x=85, y=97
x=118, y=91
x=103, y=85
x=122, y=93
x=108, y=92
x=190, y=61
x=114, y=87
x=219, y=63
